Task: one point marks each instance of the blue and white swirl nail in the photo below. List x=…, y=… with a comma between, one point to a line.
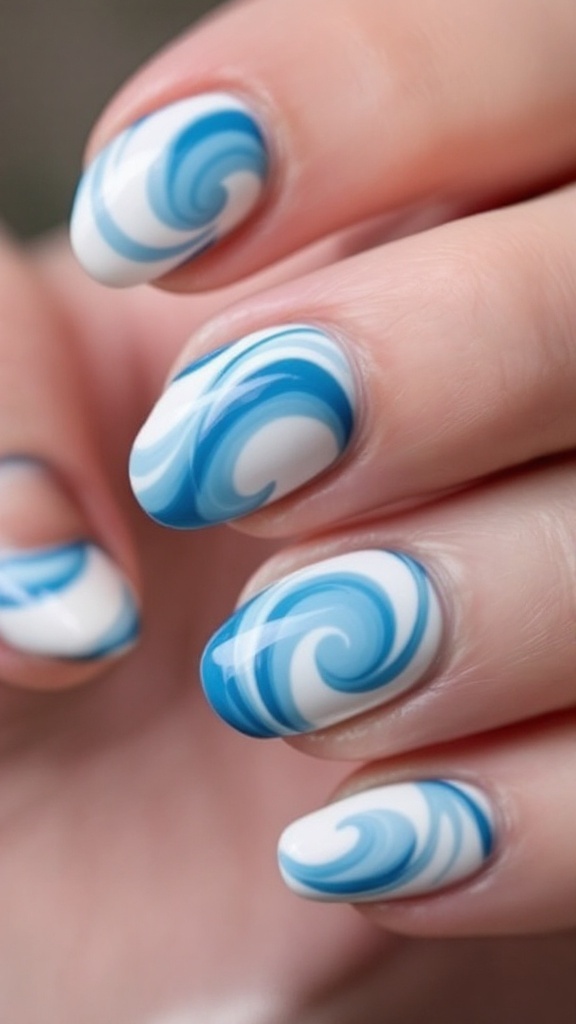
x=244, y=426
x=168, y=188
x=326, y=643
x=388, y=843
x=68, y=601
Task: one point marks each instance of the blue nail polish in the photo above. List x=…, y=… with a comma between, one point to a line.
x=325, y=644
x=244, y=426
x=66, y=601
x=169, y=187
x=395, y=841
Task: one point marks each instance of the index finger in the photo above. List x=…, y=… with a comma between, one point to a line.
x=342, y=109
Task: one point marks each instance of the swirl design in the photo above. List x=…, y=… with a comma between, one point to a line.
x=67, y=602
x=326, y=643
x=390, y=842
x=167, y=188
x=243, y=426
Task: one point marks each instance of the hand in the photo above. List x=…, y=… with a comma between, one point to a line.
x=447, y=399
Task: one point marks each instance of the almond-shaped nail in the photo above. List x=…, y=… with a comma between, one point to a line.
x=61, y=595
x=244, y=426
x=388, y=843
x=167, y=188
x=324, y=644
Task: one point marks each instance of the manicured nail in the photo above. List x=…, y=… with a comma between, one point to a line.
x=388, y=843
x=60, y=598
x=244, y=426
x=168, y=188
x=324, y=644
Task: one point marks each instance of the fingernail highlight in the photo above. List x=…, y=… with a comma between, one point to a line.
x=169, y=187
x=388, y=843
x=60, y=598
x=244, y=426
x=326, y=643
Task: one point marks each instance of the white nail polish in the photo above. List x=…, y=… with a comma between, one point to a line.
x=65, y=601
x=167, y=188
x=326, y=643
x=244, y=426
x=388, y=843
x=60, y=596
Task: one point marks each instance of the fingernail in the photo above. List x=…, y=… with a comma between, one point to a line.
x=244, y=426
x=388, y=843
x=324, y=644
x=61, y=595
x=167, y=188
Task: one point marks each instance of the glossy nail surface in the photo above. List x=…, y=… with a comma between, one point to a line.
x=65, y=601
x=167, y=188
x=387, y=843
x=244, y=426
x=324, y=644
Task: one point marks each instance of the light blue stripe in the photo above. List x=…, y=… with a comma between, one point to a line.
x=29, y=576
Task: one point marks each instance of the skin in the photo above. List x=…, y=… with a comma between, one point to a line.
x=137, y=865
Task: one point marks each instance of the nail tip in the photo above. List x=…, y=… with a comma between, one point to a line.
x=223, y=695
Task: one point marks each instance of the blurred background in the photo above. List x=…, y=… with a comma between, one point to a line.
x=60, y=61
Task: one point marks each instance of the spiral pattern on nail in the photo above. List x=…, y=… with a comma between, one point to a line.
x=390, y=842
x=68, y=601
x=324, y=644
x=243, y=426
x=168, y=187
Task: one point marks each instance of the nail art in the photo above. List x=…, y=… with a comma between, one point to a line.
x=324, y=644
x=387, y=843
x=168, y=188
x=244, y=426
x=67, y=601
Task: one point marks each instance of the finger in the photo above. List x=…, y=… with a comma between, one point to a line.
x=416, y=367
x=252, y=113
x=67, y=573
x=384, y=639
x=474, y=839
